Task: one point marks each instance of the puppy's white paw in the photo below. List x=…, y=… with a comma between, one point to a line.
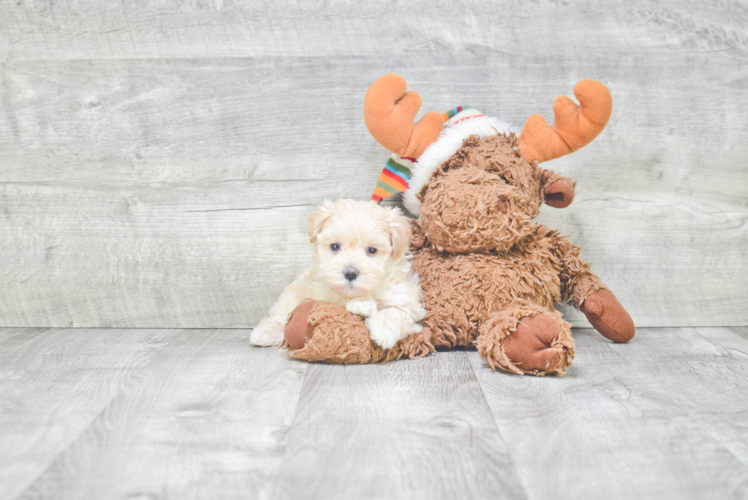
x=269, y=332
x=382, y=334
x=362, y=307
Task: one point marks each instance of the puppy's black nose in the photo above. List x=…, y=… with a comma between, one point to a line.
x=350, y=274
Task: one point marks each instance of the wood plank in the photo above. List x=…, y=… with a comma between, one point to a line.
x=740, y=330
x=200, y=414
x=216, y=28
x=207, y=418
x=173, y=193
x=660, y=417
x=54, y=383
x=227, y=123
x=408, y=429
x=192, y=269
x=711, y=387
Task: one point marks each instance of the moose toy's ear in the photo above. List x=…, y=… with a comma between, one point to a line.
x=556, y=190
x=560, y=194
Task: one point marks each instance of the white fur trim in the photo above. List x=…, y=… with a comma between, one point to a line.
x=449, y=141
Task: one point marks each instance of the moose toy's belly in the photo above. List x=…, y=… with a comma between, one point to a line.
x=460, y=291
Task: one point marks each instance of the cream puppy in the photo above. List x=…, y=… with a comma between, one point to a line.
x=359, y=261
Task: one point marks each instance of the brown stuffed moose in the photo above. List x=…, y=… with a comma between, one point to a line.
x=489, y=275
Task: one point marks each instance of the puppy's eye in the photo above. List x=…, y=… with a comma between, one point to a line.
x=372, y=250
x=334, y=247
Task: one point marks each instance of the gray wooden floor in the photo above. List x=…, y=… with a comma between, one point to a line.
x=157, y=414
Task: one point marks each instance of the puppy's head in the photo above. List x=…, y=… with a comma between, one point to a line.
x=356, y=242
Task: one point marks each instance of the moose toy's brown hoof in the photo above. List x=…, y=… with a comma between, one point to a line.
x=530, y=347
x=299, y=330
x=527, y=339
x=609, y=317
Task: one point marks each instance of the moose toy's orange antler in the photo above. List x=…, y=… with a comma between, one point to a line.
x=574, y=126
x=389, y=111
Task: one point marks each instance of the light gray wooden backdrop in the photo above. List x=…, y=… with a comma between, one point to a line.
x=158, y=159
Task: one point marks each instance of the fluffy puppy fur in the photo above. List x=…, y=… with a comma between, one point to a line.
x=360, y=261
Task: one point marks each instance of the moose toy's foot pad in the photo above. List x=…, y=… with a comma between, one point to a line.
x=526, y=338
x=609, y=317
x=531, y=346
x=299, y=330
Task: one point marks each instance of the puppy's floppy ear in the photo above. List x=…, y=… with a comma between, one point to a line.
x=400, y=232
x=318, y=219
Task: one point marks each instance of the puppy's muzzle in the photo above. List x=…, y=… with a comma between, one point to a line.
x=350, y=273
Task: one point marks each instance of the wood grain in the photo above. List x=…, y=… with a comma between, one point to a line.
x=54, y=383
x=207, y=418
x=106, y=413
x=409, y=429
x=46, y=29
x=660, y=417
x=158, y=159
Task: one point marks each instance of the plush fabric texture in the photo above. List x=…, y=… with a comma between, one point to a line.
x=342, y=338
x=489, y=275
x=449, y=141
x=460, y=209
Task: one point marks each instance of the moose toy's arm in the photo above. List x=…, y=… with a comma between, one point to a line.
x=584, y=290
x=575, y=126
